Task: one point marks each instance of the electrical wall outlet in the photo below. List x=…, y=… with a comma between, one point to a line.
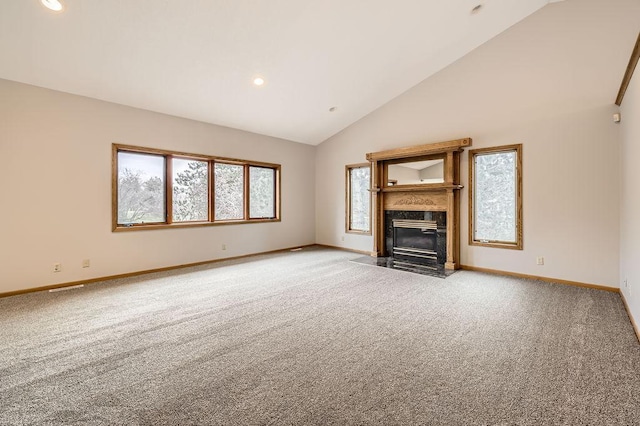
x=539, y=260
x=57, y=267
x=86, y=263
x=626, y=283
x=224, y=247
x=342, y=238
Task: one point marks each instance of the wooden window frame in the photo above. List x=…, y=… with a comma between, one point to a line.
x=169, y=187
x=518, y=244
x=248, y=188
x=245, y=188
x=348, y=169
x=211, y=160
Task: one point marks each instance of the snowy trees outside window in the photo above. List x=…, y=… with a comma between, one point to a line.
x=358, y=198
x=239, y=190
x=141, y=196
x=262, y=183
x=496, y=203
x=190, y=190
x=229, y=190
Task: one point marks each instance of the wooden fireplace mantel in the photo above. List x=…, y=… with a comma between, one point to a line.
x=419, y=197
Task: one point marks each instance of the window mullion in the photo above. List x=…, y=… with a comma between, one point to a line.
x=210, y=191
x=276, y=195
x=246, y=192
x=168, y=161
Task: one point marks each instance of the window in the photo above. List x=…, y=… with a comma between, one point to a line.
x=229, y=179
x=495, y=197
x=358, y=198
x=154, y=188
x=190, y=190
x=262, y=197
x=141, y=186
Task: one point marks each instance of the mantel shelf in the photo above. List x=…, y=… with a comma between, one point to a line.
x=420, y=150
x=422, y=188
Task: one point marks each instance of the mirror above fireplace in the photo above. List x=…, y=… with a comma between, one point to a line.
x=422, y=172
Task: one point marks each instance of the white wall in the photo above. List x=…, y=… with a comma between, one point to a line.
x=549, y=83
x=433, y=173
x=56, y=189
x=630, y=197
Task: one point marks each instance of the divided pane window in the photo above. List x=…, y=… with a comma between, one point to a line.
x=496, y=197
x=141, y=188
x=190, y=190
x=358, y=198
x=262, y=188
x=229, y=190
x=154, y=188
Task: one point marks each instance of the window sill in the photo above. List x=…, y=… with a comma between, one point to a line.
x=511, y=246
x=146, y=227
x=350, y=231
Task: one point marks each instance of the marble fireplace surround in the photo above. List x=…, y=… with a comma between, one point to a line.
x=432, y=197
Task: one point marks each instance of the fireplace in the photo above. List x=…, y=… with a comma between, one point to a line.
x=417, y=196
x=415, y=242
x=416, y=239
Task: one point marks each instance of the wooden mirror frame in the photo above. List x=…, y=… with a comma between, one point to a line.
x=400, y=161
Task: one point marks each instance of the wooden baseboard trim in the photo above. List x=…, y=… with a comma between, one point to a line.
x=366, y=253
x=634, y=324
x=147, y=271
x=536, y=277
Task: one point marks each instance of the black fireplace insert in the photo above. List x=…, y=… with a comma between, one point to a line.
x=415, y=242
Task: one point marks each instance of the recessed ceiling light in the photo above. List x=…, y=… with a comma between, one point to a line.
x=258, y=81
x=476, y=8
x=54, y=5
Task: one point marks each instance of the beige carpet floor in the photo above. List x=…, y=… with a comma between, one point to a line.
x=311, y=338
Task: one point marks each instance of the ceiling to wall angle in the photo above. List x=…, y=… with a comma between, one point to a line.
x=200, y=59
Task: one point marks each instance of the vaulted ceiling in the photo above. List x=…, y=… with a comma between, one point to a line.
x=198, y=58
